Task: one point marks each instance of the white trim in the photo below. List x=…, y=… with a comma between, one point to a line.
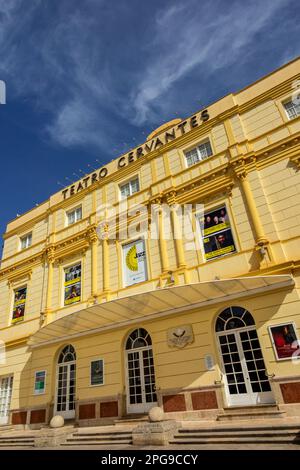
x=259, y=290
x=69, y=211
x=249, y=397
x=196, y=147
x=67, y=414
x=128, y=181
x=8, y=397
x=144, y=406
x=23, y=237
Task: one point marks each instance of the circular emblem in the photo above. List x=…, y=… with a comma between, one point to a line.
x=131, y=259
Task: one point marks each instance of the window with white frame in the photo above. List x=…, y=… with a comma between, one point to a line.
x=74, y=215
x=293, y=108
x=26, y=241
x=129, y=188
x=199, y=153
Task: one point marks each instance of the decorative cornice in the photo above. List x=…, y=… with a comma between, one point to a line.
x=92, y=234
x=171, y=196
x=18, y=269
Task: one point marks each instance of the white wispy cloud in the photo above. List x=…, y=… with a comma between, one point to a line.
x=72, y=59
x=207, y=37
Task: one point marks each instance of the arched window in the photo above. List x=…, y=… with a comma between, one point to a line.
x=232, y=318
x=139, y=338
x=68, y=354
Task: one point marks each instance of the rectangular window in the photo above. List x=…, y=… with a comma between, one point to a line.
x=134, y=262
x=26, y=241
x=217, y=234
x=199, y=153
x=74, y=215
x=19, y=305
x=72, y=286
x=97, y=372
x=40, y=382
x=293, y=108
x=129, y=188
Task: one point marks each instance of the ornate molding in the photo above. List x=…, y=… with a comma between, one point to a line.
x=19, y=276
x=295, y=160
x=50, y=254
x=92, y=235
x=171, y=197
x=20, y=267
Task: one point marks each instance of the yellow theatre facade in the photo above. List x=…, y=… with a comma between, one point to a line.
x=96, y=326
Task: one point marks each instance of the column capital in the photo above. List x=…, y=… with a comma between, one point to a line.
x=239, y=169
x=50, y=254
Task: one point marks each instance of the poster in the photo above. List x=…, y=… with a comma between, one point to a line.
x=72, y=284
x=215, y=221
x=19, y=305
x=216, y=234
x=285, y=341
x=134, y=263
x=40, y=382
x=97, y=372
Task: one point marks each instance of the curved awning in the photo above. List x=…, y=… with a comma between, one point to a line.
x=153, y=304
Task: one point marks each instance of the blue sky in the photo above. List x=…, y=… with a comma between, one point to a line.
x=89, y=79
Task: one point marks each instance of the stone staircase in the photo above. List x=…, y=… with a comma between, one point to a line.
x=16, y=440
x=105, y=435
x=239, y=432
x=239, y=413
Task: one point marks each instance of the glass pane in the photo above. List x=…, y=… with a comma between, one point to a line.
x=205, y=150
x=192, y=157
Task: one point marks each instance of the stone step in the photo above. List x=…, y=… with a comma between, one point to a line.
x=236, y=440
x=250, y=408
x=101, y=437
x=16, y=439
x=242, y=415
x=240, y=429
x=131, y=421
x=257, y=433
x=16, y=445
x=234, y=434
x=103, y=433
x=97, y=443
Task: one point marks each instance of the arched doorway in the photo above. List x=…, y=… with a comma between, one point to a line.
x=140, y=375
x=243, y=364
x=66, y=383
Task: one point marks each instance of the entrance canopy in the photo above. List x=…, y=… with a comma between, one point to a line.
x=154, y=304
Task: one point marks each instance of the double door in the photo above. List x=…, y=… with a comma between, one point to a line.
x=65, y=392
x=246, y=382
x=141, y=390
x=6, y=385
